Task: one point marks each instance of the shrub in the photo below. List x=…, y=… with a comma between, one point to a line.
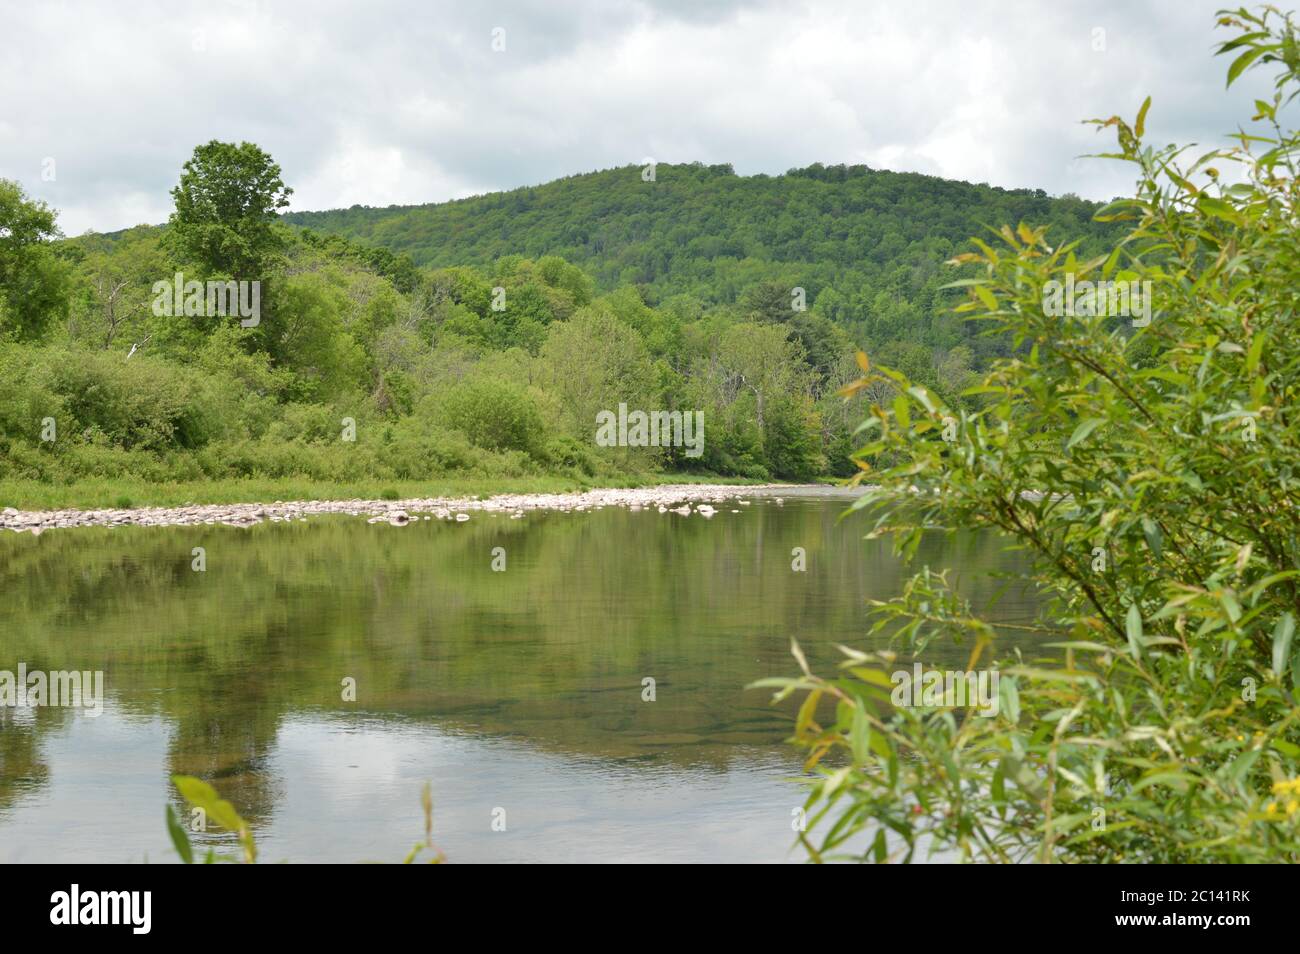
x=1151, y=476
x=494, y=414
x=137, y=403
x=566, y=451
x=791, y=443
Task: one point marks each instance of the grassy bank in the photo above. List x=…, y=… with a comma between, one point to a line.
x=121, y=492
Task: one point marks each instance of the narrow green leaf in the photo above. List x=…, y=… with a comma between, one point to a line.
x=1282, y=634
x=806, y=711
x=860, y=736
x=1140, y=126
x=1155, y=539
x=1133, y=628
x=902, y=413
x=1240, y=64
x=180, y=840
x=1083, y=430
x=879, y=847
x=1010, y=698
x=202, y=795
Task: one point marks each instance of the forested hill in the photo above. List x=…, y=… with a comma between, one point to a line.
x=707, y=232
x=484, y=336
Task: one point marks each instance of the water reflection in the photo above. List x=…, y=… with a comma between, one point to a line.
x=519, y=689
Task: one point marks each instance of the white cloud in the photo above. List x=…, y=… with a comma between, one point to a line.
x=399, y=101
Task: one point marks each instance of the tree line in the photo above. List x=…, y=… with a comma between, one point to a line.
x=484, y=336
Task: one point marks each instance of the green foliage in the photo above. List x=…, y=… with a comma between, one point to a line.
x=201, y=796
x=867, y=247
x=676, y=296
x=874, y=240
x=790, y=439
x=33, y=280
x=592, y=363
x=494, y=415
x=1151, y=473
x=99, y=399
x=226, y=205
x=562, y=451
x=308, y=334
x=112, y=289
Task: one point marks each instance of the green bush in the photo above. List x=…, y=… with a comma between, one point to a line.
x=274, y=458
x=1151, y=473
x=791, y=444
x=494, y=415
x=568, y=452
x=100, y=396
x=307, y=423
x=420, y=449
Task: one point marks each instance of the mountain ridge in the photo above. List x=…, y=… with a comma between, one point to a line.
x=695, y=226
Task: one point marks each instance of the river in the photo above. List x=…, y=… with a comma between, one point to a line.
x=504, y=661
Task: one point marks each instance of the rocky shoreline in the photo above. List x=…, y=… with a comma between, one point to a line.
x=683, y=499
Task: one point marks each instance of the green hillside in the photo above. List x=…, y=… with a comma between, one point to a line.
x=868, y=240
x=484, y=338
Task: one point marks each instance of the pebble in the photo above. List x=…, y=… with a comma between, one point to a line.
x=674, y=498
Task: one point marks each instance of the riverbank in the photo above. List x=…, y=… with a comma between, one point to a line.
x=702, y=499
x=126, y=493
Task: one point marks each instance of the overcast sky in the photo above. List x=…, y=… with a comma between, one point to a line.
x=386, y=101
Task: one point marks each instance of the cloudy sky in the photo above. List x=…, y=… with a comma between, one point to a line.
x=402, y=102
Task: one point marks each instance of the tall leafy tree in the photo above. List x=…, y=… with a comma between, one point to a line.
x=33, y=281
x=226, y=210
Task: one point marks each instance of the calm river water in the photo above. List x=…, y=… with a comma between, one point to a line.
x=517, y=694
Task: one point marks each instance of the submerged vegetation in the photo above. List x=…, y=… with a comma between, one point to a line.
x=1151, y=474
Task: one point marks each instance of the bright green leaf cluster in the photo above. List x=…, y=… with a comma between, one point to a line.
x=1151, y=473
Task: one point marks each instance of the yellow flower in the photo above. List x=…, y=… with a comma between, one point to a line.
x=1287, y=787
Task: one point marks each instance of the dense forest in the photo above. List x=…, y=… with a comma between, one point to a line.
x=866, y=245
x=483, y=336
